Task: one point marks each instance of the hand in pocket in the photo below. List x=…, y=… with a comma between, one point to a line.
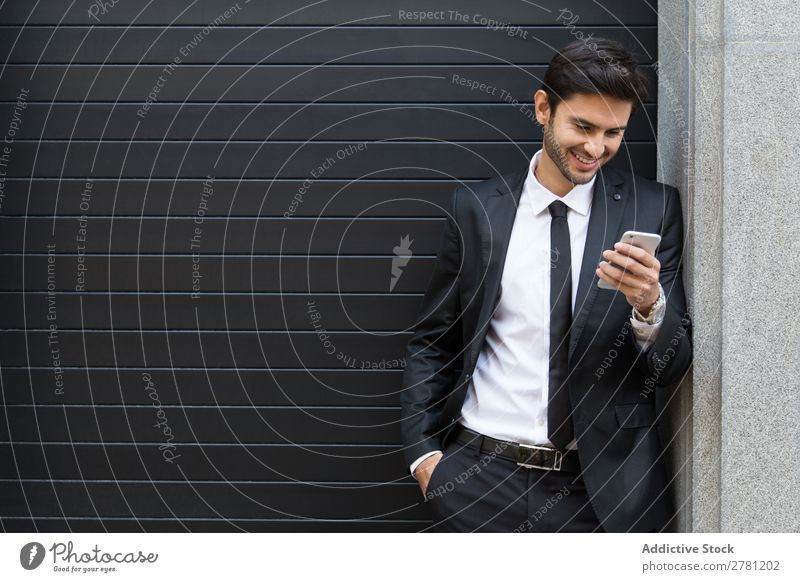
x=425, y=470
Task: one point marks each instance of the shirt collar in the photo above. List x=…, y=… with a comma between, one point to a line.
x=578, y=199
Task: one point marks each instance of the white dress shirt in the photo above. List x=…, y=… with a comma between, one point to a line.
x=507, y=395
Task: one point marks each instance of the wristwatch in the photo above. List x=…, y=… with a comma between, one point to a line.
x=656, y=312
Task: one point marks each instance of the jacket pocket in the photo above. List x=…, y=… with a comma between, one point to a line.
x=635, y=415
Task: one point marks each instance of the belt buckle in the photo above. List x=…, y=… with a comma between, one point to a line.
x=522, y=458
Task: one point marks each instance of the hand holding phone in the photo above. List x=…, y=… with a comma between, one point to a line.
x=645, y=240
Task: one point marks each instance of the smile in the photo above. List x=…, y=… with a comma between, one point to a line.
x=585, y=163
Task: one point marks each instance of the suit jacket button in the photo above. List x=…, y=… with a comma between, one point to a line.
x=617, y=196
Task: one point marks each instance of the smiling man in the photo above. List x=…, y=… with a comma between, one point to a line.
x=534, y=401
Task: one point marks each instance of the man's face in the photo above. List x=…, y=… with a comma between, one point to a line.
x=584, y=133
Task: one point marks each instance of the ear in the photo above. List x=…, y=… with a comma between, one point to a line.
x=541, y=106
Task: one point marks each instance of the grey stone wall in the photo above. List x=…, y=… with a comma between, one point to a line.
x=729, y=138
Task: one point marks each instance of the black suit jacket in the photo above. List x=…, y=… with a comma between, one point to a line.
x=619, y=393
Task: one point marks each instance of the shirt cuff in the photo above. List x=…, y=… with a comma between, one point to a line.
x=416, y=463
x=645, y=333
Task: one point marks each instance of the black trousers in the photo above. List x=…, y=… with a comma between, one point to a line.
x=470, y=491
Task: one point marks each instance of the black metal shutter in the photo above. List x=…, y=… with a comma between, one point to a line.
x=192, y=194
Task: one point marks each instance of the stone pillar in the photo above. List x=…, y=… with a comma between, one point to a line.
x=729, y=138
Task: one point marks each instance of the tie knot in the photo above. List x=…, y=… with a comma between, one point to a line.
x=558, y=209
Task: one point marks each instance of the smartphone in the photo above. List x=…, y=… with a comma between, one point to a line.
x=646, y=240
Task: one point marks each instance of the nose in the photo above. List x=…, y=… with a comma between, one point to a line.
x=594, y=148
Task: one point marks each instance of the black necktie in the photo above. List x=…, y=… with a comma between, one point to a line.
x=559, y=422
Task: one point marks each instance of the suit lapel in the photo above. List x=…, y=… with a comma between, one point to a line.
x=608, y=205
x=500, y=210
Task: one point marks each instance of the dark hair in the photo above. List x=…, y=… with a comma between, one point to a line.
x=597, y=65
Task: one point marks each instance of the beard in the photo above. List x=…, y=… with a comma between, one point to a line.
x=561, y=159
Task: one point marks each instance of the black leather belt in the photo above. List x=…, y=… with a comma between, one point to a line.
x=524, y=455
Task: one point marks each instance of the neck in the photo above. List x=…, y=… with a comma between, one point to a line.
x=551, y=177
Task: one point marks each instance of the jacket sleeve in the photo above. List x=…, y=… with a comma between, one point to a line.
x=668, y=359
x=435, y=347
